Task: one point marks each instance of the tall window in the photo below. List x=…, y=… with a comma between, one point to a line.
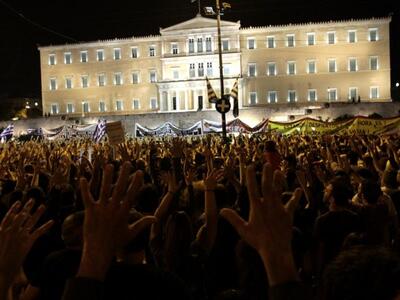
x=68, y=83
x=332, y=65
x=101, y=80
x=251, y=43
x=174, y=103
x=311, y=39
x=352, y=36
x=208, y=44
x=271, y=42
x=85, y=107
x=53, y=84
x=311, y=67
x=153, y=103
x=134, y=52
x=153, y=76
x=331, y=38
x=84, y=56
x=102, y=106
x=332, y=94
x=67, y=58
x=312, y=95
x=225, y=45
x=253, y=98
x=152, y=51
x=174, y=48
x=374, y=92
x=135, y=77
x=271, y=69
x=117, y=53
x=84, y=81
x=70, y=108
x=175, y=74
x=373, y=34
x=191, y=45
x=119, y=105
x=291, y=68
x=117, y=78
x=352, y=65
x=200, y=45
x=136, y=104
x=353, y=94
x=52, y=59
x=272, y=97
x=252, y=70
x=200, y=70
x=100, y=55
x=290, y=40
x=54, y=109
x=209, y=69
x=373, y=63
x=192, y=70
x=292, y=97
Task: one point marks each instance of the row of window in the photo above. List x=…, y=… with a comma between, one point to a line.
x=291, y=69
x=193, y=46
x=100, y=55
x=331, y=39
x=102, y=107
x=101, y=80
x=201, y=44
x=312, y=95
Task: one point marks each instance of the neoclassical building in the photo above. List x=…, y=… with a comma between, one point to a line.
x=312, y=62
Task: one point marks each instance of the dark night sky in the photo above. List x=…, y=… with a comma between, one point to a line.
x=89, y=20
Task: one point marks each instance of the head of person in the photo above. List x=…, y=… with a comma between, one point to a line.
x=370, y=191
x=337, y=193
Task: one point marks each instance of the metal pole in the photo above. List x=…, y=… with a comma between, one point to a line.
x=221, y=67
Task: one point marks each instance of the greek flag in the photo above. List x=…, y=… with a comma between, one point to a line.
x=100, y=131
x=212, y=97
x=8, y=132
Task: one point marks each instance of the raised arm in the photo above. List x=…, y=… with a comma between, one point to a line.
x=17, y=236
x=208, y=232
x=269, y=228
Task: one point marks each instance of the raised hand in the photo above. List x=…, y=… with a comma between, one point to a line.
x=269, y=228
x=17, y=236
x=212, y=179
x=106, y=226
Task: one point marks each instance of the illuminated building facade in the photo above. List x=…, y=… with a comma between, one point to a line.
x=303, y=63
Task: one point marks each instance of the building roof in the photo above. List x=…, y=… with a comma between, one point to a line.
x=200, y=23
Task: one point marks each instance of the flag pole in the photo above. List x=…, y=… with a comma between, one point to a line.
x=221, y=68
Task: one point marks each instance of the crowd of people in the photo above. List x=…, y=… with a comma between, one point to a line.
x=264, y=216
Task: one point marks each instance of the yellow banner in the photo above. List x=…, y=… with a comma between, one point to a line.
x=357, y=125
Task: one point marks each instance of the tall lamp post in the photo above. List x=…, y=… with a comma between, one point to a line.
x=222, y=104
x=221, y=66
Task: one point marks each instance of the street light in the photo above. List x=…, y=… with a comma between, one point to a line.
x=223, y=104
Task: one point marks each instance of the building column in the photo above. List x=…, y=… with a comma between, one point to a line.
x=186, y=100
x=178, y=100
x=241, y=94
x=206, y=104
x=160, y=100
x=169, y=101
x=193, y=94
